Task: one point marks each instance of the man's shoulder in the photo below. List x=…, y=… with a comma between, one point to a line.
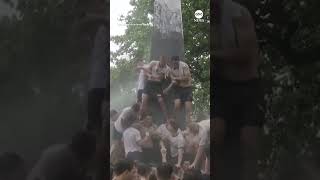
x=56, y=149
x=131, y=130
x=153, y=62
x=55, y=155
x=184, y=64
x=126, y=110
x=240, y=9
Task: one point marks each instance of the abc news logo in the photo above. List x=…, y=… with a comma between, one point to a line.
x=199, y=15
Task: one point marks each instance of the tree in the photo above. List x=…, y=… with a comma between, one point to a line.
x=288, y=36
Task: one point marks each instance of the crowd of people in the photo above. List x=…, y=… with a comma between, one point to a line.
x=174, y=149
x=129, y=170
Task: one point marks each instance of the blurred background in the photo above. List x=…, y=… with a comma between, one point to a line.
x=43, y=74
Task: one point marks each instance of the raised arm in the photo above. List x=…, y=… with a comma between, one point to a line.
x=145, y=68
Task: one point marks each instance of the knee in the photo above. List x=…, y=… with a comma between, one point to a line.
x=188, y=109
x=177, y=104
x=160, y=100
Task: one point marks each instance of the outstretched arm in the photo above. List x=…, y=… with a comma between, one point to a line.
x=198, y=156
x=180, y=156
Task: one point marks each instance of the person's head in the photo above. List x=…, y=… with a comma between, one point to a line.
x=163, y=60
x=192, y=174
x=83, y=144
x=113, y=114
x=125, y=169
x=135, y=107
x=152, y=177
x=131, y=119
x=147, y=120
x=193, y=128
x=175, y=61
x=12, y=166
x=164, y=171
x=173, y=127
x=144, y=170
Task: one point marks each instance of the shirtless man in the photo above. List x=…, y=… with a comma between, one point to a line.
x=236, y=86
x=156, y=72
x=181, y=85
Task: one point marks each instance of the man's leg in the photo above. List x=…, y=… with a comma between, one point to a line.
x=177, y=107
x=162, y=106
x=188, y=105
x=219, y=131
x=95, y=101
x=250, y=150
x=144, y=104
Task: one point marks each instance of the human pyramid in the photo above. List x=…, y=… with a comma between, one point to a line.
x=137, y=138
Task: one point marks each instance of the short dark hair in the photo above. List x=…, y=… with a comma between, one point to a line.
x=122, y=166
x=175, y=58
x=130, y=119
x=145, y=115
x=192, y=174
x=165, y=171
x=10, y=162
x=84, y=144
x=153, y=177
x=113, y=112
x=174, y=124
x=135, y=107
x=143, y=169
x=193, y=127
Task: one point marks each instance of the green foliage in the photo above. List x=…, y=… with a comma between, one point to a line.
x=136, y=42
x=289, y=40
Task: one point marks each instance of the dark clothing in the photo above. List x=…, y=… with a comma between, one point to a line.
x=151, y=155
x=134, y=156
x=238, y=103
x=153, y=88
x=96, y=97
x=182, y=93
